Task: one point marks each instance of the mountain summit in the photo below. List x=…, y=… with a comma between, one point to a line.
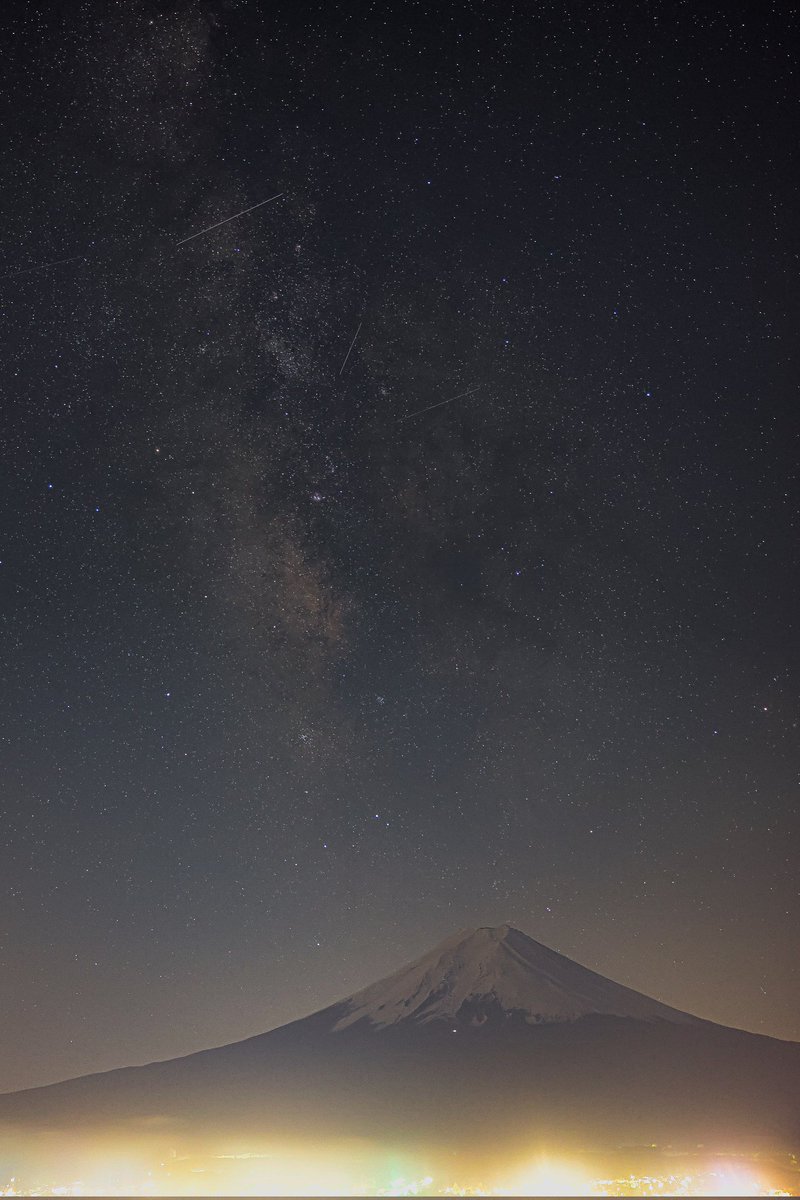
x=492, y=974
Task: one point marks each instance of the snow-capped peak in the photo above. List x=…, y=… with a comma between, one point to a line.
x=486, y=974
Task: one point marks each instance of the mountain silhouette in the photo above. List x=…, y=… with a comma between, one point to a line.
x=489, y=1040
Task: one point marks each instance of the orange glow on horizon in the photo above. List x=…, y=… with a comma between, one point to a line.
x=239, y=1166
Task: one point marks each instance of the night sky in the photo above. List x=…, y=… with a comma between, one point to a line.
x=297, y=679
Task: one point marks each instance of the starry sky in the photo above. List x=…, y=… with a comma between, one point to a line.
x=298, y=678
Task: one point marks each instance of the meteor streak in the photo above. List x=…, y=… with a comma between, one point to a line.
x=350, y=347
x=244, y=211
x=419, y=411
x=42, y=266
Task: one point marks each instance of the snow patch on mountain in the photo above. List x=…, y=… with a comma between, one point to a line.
x=487, y=974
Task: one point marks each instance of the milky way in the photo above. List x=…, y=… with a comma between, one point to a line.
x=294, y=685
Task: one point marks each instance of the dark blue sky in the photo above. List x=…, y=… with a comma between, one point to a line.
x=293, y=685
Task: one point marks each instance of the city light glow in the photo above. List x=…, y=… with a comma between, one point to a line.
x=249, y=1173
x=548, y=1178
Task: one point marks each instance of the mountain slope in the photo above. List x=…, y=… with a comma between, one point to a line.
x=477, y=974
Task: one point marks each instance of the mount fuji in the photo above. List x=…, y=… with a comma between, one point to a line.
x=490, y=1039
x=495, y=974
